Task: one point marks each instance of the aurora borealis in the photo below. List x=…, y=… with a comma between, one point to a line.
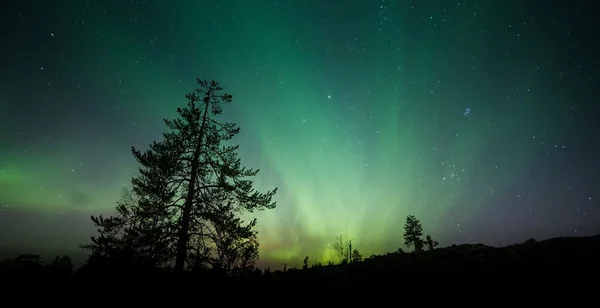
x=479, y=117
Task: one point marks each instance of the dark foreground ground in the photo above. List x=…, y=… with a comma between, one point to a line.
x=554, y=267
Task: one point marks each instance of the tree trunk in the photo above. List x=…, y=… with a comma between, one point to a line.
x=183, y=236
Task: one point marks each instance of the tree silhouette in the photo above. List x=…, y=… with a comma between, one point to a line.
x=132, y=239
x=305, y=263
x=413, y=232
x=184, y=203
x=62, y=265
x=431, y=243
x=343, y=250
x=356, y=256
x=27, y=264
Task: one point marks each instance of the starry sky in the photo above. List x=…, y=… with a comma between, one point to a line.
x=479, y=117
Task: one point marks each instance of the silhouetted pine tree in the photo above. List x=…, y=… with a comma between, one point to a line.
x=430, y=242
x=190, y=188
x=356, y=256
x=413, y=232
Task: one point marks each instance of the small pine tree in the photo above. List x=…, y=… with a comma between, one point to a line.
x=356, y=256
x=431, y=243
x=305, y=263
x=413, y=232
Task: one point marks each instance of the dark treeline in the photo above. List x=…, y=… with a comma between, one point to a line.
x=558, y=262
x=180, y=219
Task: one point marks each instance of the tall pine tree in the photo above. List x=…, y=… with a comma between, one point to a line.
x=187, y=197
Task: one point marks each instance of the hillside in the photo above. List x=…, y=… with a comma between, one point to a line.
x=557, y=261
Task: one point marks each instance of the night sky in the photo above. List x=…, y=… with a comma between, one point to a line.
x=481, y=118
